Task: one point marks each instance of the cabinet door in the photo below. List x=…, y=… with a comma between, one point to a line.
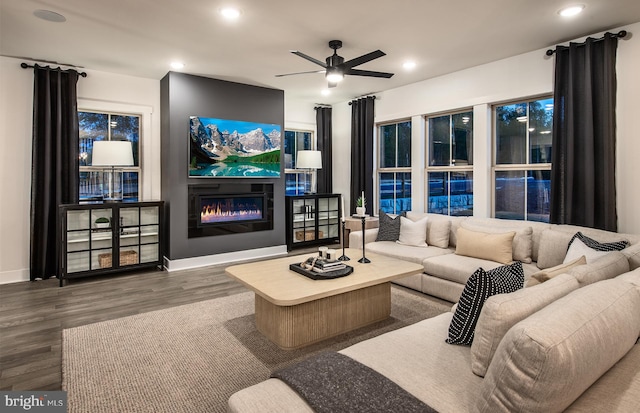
x=328, y=217
x=303, y=213
x=102, y=238
x=149, y=234
x=129, y=236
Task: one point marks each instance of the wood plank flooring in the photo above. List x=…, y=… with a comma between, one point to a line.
x=33, y=314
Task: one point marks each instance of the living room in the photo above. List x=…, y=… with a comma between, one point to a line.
x=478, y=88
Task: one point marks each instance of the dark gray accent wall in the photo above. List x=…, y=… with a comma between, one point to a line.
x=181, y=96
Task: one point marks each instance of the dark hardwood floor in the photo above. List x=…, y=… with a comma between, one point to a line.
x=33, y=314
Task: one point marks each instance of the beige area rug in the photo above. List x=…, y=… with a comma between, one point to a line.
x=191, y=358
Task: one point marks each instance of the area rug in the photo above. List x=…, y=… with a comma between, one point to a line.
x=191, y=358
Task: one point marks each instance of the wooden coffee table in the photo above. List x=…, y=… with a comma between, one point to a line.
x=294, y=311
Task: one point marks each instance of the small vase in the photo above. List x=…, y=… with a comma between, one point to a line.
x=360, y=211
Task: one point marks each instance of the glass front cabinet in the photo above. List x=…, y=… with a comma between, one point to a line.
x=103, y=238
x=313, y=220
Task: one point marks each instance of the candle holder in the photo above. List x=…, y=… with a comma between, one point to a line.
x=343, y=257
x=364, y=259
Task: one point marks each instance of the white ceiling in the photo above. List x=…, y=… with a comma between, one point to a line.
x=141, y=37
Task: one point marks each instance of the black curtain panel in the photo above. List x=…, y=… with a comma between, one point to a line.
x=583, y=188
x=362, y=114
x=54, y=168
x=323, y=127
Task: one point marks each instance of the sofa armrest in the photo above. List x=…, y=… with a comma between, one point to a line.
x=355, y=237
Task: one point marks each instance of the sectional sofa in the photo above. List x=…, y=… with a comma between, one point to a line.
x=568, y=344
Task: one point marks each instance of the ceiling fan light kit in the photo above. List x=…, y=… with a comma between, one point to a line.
x=336, y=68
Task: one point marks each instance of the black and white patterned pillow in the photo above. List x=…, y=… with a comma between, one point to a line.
x=388, y=228
x=480, y=286
x=599, y=246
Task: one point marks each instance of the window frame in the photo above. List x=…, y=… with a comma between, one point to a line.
x=395, y=170
x=523, y=167
x=296, y=171
x=452, y=167
x=100, y=169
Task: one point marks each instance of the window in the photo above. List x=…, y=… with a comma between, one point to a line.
x=94, y=126
x=450, y=166
x=394, y=172
x=296, y=180
x=522, y=169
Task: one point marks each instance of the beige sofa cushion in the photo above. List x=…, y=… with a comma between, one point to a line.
x=458, y=268
x=609, y=266
x=553, y=247
x=633, y=255
x=545, y=362
x=494, y=247
x=549, y=273
x=404, y=252
x=438, y=227
x=503, y=311
x=522, y=242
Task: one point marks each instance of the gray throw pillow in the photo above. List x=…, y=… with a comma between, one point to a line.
x=388, y=227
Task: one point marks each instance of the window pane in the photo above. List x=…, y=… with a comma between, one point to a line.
x=130, y=186
x=439, y=141
x=403, y=192
x=289, y=149
x=462, y=139
x=92, y=127
x=511, y=129
x=386, y=192
x=538, y=191
x=404, y=144
x=510, y=187
x=127, y=128
x=540, y=130
x=388, y=146
x=461, y=199
x=438, y=199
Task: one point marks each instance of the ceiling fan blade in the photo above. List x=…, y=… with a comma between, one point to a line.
x=363, y=59
x=370, y=73
x=300, y=73
x=309, y=58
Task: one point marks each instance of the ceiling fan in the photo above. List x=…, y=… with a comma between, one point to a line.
x=336, y=68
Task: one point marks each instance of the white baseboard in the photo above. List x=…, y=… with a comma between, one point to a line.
x=14, y=276
x=225, y=258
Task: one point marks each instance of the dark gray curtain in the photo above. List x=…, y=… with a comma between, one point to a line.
x=583, y=188
x=362, y=114
x=323, y=127
x=54, y=166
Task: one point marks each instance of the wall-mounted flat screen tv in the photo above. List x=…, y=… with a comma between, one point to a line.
x=233, y=148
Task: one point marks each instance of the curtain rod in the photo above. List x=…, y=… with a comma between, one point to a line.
x=26, y=66
x=362, y=97
x=322, y=106
x=621, y=34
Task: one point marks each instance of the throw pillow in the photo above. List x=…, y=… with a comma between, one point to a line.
x=522, y=242
x=493, y=247
x=580, y=245
x=549, y=273
x=413, y=233
x=438, y=232
x=388, y=227
x=480, y=286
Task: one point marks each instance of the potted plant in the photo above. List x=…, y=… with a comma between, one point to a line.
x=361, y=204
x=102, y=222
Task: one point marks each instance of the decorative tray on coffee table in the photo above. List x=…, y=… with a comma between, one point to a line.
x=321, y=275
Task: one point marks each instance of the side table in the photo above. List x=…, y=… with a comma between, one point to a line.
x=355, y=224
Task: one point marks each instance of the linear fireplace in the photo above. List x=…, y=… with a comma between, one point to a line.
x=229, y=208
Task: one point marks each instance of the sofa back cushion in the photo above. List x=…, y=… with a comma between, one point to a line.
x=607, y=267
x=492, y=247
x=548, y=360
x=522, y=242
x=633, y=255
x=503, y=311
x=438, y=228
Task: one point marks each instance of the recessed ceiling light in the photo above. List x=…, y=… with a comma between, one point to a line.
x=50, y=16
x=325, y=92
x=230, y=13
x=177, y=65
x=409, y=65
x=571, y=10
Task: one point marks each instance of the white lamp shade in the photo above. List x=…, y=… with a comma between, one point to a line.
x=112, y=153
x=309, y=160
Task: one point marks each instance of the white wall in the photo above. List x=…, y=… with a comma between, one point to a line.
x=477, y=88
x=98, y=90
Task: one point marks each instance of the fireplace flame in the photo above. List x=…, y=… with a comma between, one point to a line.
x=225, y=211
